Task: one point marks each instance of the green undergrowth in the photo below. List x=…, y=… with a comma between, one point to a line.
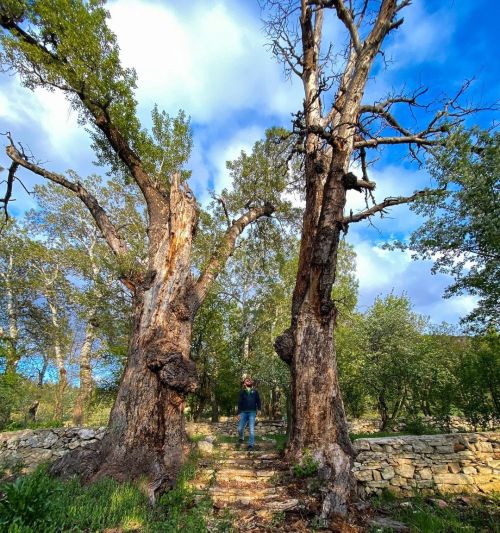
x=473, y=514
x=37, y=502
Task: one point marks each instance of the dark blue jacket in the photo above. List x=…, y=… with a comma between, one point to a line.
x=248, y=401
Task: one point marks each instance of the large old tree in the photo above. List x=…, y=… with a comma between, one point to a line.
x=335, y=129
x=65, y=45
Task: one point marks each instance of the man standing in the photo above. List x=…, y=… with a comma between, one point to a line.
x=248, y=405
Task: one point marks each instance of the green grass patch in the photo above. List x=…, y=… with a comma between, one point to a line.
x=40, y=503
x=421, y=515
x=196, y=438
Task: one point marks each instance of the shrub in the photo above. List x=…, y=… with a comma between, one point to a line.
x=28, y=501
x=307, y=467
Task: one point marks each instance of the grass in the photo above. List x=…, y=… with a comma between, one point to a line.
x=40, y=503
x=421, y=515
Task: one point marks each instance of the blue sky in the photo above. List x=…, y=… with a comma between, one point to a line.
x=209, y=58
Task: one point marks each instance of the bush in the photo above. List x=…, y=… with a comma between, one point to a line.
x=416, y=426
x=307, y=467
x=28, y=502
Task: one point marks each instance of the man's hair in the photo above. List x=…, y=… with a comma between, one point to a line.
x=245, y=377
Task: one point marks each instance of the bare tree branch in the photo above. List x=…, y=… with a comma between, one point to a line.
x=410, y=139
x=115, y=242
x=380, y=208
x=221, y=200
x=345, y=16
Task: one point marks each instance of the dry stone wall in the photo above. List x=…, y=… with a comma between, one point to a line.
x=229, y=426
x=23, y=451
x=457, y=463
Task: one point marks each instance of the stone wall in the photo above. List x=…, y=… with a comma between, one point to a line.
x=458, y=463
x=228, y=426
x=23, y=451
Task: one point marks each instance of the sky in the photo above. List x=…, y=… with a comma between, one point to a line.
x=210, y=58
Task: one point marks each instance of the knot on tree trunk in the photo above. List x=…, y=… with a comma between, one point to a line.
x=174, y=370
x=284, y=345
x=350, y=181
x=181, y=310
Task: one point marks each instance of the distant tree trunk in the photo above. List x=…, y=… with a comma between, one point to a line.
x=85, y=389
x=215, y=407
x=31, y=416
x=12, y=355
x=383, y=411
x=275, y=402
x=43, y=370
x=59, y=359
x=200, y=408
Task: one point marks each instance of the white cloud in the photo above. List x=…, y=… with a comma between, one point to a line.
x=381, y=272
x=210, y=61
x=44, y=121
x=423, y=36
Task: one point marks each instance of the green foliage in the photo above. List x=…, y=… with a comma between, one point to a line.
x=263, y=175
x=28, y=502
x=16, y=394
x=477, y=393
x=40, y=503
x=169, y=147
x=391, y=331
x=461, y=230
x=307, y=466
x=481, y=515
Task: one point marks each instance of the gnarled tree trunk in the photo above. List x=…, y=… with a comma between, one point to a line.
x=318, y=422
x=328, y=141
x=146, y=435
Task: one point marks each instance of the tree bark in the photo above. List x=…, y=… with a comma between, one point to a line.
x=318, y=421
x=59, y=359
x=146, y=434
x=85, y=389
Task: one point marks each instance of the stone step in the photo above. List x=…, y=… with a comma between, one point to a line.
x=248, y=463
x=262, y=475
x=235, y=501
x=256, y=493
x=198, y=485
x=262, y=456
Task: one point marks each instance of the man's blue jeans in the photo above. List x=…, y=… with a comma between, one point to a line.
x=247, y=417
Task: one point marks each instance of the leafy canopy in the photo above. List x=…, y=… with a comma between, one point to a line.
x=461, y=229
x=67, y=45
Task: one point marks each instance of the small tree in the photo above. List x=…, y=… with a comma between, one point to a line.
x=461, y=230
